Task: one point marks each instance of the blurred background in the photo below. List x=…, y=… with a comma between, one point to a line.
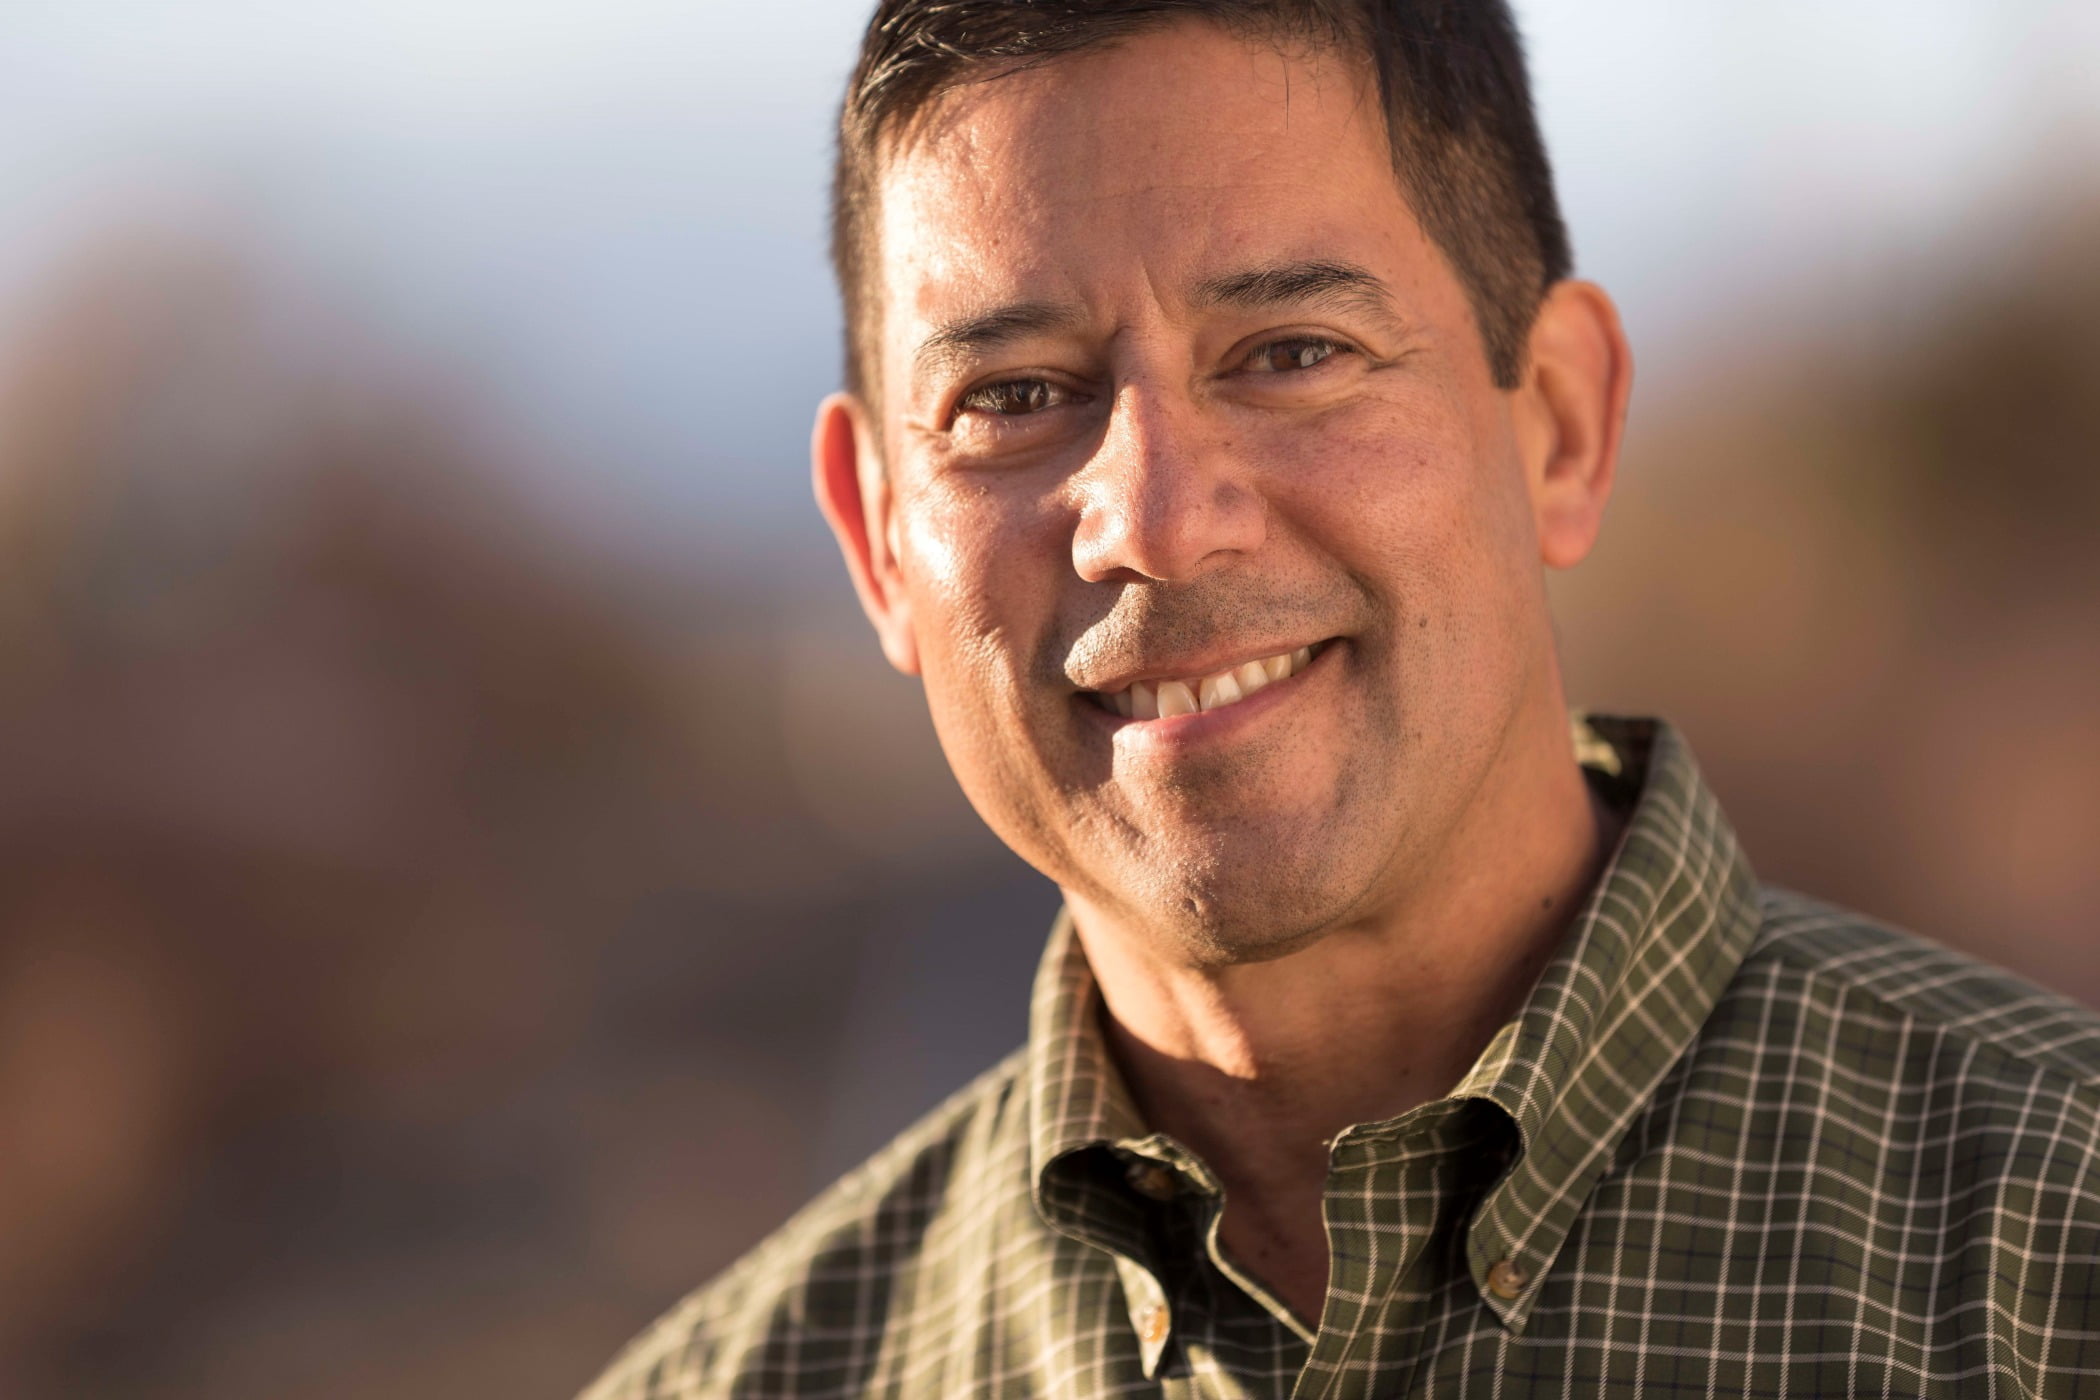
x=465, y=872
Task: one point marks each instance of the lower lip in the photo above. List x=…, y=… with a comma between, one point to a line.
x=1208, y=726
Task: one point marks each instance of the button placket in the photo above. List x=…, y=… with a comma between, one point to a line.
x=1149, y=1318
x=1402, y=1190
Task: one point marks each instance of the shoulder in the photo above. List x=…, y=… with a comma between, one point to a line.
x=1876, y=979
x=1918, y=1127
x=1840, y=1030
x=815, y=1296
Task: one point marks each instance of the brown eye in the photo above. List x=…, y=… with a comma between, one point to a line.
x=1296, y=353
x=1011, y=398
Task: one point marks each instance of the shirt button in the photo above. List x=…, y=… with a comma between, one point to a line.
x=1152, y=1325
x=1506, y=1280
x=1152, y=1179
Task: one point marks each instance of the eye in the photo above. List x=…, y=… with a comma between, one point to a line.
x=1012, y=398
x=1293, y=353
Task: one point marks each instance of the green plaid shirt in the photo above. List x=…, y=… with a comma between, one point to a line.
x=1736, y=1143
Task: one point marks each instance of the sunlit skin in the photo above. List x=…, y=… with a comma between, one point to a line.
x=1172, y=379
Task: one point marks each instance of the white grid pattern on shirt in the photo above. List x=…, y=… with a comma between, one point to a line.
x=1761, y=1148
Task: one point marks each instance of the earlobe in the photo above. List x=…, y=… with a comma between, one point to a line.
x=1577, y=383
x=853, y=493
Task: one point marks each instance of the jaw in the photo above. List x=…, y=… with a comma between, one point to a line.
x=1243, y=849
x=1221, y=895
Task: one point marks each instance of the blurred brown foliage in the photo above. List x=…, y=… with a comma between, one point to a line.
x=428, y=946
x=1867, y=584
x=418, y=965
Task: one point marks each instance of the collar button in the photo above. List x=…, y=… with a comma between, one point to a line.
x=1152, y=1325
x=1506, y=1280
x=1153, y=1180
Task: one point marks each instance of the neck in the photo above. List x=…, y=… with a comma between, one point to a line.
x=1258, y=1066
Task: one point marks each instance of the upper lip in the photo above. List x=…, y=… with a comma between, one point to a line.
x=1196, y=665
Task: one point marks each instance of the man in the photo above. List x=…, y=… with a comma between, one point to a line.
x=1217, y=396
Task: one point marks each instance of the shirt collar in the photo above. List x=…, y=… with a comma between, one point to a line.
x=1642, y=965
x=1641, y=968
x=1078, y=1104
x=1076, y=1095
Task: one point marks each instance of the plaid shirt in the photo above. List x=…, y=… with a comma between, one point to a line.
x=1736, y=1143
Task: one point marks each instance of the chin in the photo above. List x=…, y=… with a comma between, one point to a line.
x=1252, y=889
x=1249, y=914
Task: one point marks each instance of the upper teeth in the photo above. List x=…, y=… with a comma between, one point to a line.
x=1165, y=699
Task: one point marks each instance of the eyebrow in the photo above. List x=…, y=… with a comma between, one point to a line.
x=980, y=331
x=1315, y=281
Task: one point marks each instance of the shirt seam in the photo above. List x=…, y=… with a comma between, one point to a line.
x=1814, y=972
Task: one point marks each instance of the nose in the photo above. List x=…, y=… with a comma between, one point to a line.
x=1163, y=496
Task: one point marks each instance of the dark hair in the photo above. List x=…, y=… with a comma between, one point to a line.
x=1465, y=142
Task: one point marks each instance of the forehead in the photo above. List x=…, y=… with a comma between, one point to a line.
x=1152, y=162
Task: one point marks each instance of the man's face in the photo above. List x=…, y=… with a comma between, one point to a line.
x=1174, y=386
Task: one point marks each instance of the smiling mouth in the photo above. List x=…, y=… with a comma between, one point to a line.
x=1164, y=699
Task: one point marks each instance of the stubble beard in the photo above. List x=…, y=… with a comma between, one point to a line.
x=1203, y=864
x=1208, y=868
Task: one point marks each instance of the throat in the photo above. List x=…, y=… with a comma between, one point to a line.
x=1271, y=1159
x=1278, y=1239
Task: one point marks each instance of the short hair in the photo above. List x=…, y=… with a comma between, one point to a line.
x=1465, y=141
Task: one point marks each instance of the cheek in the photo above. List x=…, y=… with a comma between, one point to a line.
x=1423, y=502
x=949, y=550
x=981, y=569
x=1404, y=489
x=973, y=567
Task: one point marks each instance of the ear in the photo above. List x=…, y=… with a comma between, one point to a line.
x=1570, y=413
x=853, y=492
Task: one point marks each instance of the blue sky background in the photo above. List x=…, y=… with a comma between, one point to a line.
x=605, y=220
